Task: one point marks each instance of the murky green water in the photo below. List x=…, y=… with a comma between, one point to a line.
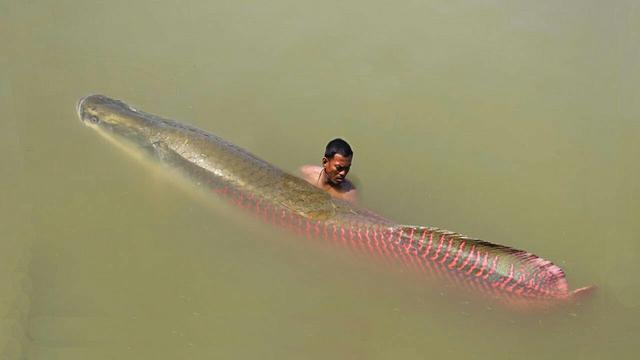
x=516, y=122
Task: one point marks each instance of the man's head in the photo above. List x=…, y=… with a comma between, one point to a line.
x=337, y=160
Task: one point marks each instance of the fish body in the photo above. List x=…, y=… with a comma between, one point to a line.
x=513, y=276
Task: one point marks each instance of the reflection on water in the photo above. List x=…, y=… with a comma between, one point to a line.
x=513, y=122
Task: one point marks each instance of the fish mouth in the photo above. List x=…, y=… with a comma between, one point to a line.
x=79, y=107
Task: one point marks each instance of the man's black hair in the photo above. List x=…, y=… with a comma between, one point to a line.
x=337, y=146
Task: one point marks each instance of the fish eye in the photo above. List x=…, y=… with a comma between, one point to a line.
x=93, y=119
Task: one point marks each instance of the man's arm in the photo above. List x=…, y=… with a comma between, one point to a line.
x=350, y=196
x=347, y=192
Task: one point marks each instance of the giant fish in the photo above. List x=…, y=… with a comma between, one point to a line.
x=512, y=276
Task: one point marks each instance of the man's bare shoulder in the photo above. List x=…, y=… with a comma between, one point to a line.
x=310, y=172
x=310, y=169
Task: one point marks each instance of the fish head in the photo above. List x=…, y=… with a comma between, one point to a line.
x=114, y=119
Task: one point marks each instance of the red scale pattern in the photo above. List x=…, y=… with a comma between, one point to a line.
x=428, y=250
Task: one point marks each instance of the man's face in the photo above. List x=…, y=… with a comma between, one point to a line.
x=337, y=168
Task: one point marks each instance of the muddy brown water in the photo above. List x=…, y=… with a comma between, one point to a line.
x=515, y=122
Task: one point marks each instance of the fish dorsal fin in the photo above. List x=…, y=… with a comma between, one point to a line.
x=460, y=253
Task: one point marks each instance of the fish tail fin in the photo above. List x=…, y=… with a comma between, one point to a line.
x=583, y=293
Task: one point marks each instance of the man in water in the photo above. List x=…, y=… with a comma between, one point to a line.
x=331, y=176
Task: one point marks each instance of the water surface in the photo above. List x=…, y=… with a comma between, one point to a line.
x=515, y=122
